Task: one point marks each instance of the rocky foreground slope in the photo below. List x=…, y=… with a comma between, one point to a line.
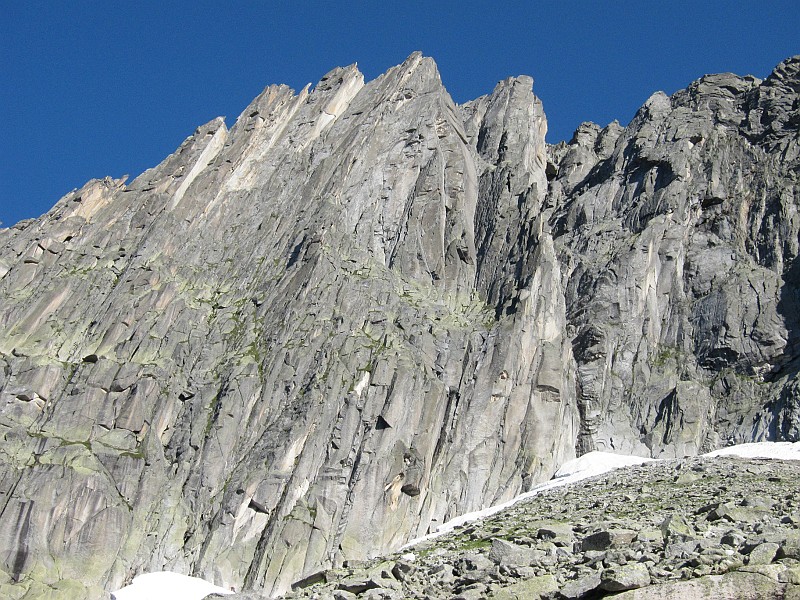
x=364, y=310
x=680, y=529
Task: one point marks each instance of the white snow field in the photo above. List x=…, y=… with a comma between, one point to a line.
x=174, y=586
x=776, y=450
x=165, y=585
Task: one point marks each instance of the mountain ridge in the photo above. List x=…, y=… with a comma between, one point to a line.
x=363, y=310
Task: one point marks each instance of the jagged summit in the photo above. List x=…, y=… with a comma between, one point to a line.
x=364, y=310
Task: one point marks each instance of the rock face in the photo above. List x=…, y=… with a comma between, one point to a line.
x=364, y=310
x=679, y=235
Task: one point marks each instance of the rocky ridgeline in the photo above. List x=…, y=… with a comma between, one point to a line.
x=681, y=529
x=363, y=310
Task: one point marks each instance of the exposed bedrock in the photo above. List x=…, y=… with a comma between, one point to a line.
x=364, y=310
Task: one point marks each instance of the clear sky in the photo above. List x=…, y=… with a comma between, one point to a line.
x=95, y=88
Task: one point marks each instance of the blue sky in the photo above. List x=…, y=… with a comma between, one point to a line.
x=95, y=88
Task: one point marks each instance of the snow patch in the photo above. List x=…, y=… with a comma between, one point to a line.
x=164, y=585
x=774, y=450
x=597, y=463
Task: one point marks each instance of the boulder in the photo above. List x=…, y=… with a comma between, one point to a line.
x=625, y=577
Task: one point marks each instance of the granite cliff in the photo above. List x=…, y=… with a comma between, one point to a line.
x=364, y=310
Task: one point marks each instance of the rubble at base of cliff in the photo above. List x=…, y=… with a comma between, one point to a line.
x=682, y=528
